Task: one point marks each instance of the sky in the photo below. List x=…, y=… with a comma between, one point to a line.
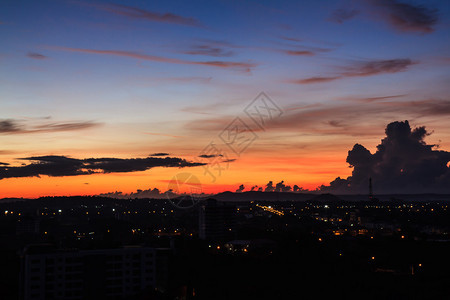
x=105, y=96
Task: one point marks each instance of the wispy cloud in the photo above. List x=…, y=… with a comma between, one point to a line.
x=362, y=69
x=209, y=50
x=299, y=47
x=300, y=52
x=373, y=99
x=139, y=13
x=317, y=79
x=57, y=166
x=162, y=134
x=35, y=55
x=341, y=15
x=220, y=64
x=13, y=126
x=405, y=16
x=159, y=154
x=340, y=118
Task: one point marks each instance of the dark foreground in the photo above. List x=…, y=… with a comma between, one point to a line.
x=292, y=250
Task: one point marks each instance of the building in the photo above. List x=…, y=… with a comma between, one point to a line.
x=217, y=220
x=48, y=273
x=27, y=225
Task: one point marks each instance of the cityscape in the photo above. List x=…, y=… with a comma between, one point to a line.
x=190, y=150
x=96, y=247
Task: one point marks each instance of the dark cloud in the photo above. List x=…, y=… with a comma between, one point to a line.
x=281, y=187
x=240, y=189
x=159, y=154
x=405, y=16
x=298, y=189
x=64, y=166
x=11, y=126
x=269, y=187
x=362, y=69
x=210, y=155
x=403, y=163
x=35, y=55
x=229, y=160
x=149, y=193
x=341, y=15
x=138, y=13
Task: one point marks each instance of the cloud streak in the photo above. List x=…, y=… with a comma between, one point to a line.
x=216, y=63
x=209, y=50
x=139, y=13
x=362, y=69
x=405, y=16
x=402, y=16
x=341, y=15
x=344, y=117
x=57, y=166
x=12, y=126
x=35, y=55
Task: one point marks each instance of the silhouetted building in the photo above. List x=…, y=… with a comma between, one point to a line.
x=27, y=225
x=371, y=197
x=48, y=273
x=217, y=220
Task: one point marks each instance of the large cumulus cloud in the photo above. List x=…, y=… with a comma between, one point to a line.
x=402, y=163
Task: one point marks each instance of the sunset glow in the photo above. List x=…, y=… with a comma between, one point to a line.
x=124, y=81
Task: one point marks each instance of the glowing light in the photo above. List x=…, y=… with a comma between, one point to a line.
x=270, y=209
